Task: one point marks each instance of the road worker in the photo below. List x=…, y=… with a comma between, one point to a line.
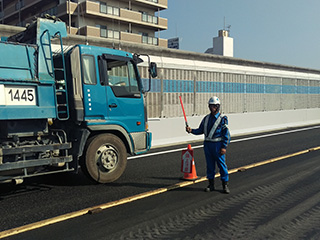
x=214, y=126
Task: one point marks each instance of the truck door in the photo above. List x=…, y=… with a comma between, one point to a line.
x=125, y=102
x=93, y=92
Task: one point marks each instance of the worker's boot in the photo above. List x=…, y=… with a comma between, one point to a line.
x=210, y=187
x=225, y=187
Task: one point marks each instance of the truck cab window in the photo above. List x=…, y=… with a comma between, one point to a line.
x=122, y=78
x=89, y=71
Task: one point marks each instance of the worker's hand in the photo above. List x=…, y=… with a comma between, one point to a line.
x=223, y=151
x=188, y=129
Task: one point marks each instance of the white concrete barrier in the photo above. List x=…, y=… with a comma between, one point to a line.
x=168, y=131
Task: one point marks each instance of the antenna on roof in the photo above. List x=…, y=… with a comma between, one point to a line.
x=228, y=26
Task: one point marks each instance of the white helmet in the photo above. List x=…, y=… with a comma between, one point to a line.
x=214, y=100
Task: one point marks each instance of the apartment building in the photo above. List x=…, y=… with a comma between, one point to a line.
x=136, y=21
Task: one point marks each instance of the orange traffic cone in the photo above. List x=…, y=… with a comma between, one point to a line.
x=188, y=166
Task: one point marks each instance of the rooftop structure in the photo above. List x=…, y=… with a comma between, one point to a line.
x=222, y=45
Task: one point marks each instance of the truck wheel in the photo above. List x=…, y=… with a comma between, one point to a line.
x=105, y=158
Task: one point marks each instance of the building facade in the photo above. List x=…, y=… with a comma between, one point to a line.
x=136, y=21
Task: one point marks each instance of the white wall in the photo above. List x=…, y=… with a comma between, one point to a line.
x=223, y=46
x=166, y=131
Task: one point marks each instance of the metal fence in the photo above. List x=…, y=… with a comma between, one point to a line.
x=239, y=92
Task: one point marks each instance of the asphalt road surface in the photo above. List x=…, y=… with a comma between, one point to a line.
x=280, y=200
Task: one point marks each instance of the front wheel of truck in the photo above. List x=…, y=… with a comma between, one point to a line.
x=105, y=158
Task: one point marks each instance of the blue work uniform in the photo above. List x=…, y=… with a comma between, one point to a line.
x=217, y=136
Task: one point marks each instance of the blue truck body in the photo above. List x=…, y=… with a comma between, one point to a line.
x=61, y=110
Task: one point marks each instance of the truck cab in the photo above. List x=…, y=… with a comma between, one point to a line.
x=107, y=99
x=108, y=92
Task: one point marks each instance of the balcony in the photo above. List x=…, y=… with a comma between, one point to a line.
x=137, y=38
x=90, y=31
x=157, y=4
x=123, y=36
x=72, y=30
x=92, y=9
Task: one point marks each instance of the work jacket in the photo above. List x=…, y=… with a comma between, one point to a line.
x=215, y=129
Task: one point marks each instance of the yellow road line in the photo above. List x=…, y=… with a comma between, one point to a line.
x=97, y=208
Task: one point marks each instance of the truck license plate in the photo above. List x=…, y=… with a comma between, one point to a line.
x=12, y=95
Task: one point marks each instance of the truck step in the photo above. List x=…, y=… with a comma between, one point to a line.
x=59, y=74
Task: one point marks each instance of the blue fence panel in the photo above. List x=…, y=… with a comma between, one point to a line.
x=187, y=86
x=288, y=89
x=302, y=89
x=272, y=88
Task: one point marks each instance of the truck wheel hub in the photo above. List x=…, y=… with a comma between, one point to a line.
x=108, y=157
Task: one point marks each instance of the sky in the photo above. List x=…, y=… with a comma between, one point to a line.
x=276, y=31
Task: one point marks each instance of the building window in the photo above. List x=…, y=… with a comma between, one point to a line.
x=116, y=11
x=149, y=40
x=149, y=18
x=113, y=34
x=155, y=41
x=103, y=30
x=109, y=10
x=104, y=8
x=108, y=33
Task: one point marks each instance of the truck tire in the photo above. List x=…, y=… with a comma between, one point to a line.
x=105, y=158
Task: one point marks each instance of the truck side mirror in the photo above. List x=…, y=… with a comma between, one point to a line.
x=153, y=69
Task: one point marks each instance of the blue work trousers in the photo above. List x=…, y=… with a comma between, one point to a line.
x=213, y=157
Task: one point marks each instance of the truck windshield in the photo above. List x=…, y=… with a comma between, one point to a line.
x=122, y=78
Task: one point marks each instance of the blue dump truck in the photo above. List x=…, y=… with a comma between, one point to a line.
x=60, y=111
